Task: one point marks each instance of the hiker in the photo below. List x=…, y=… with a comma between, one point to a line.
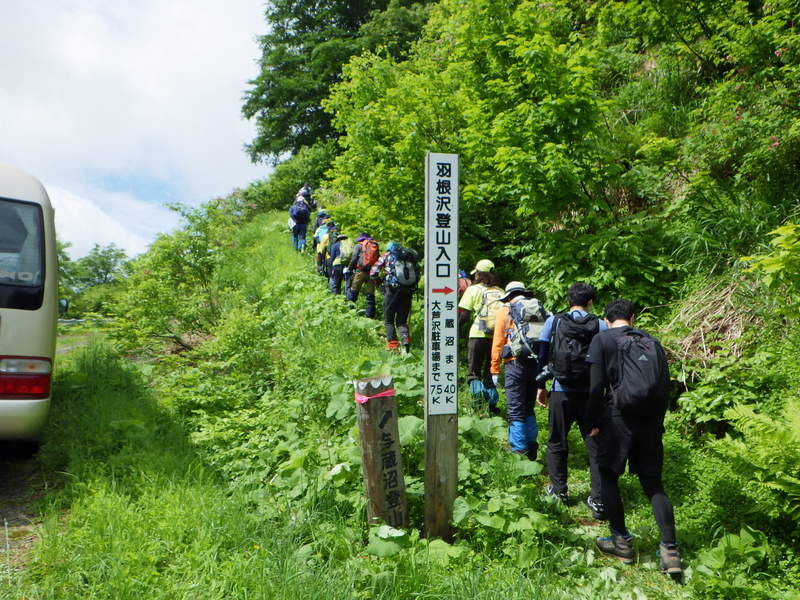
x=365, y=254
x=463, y=283
x=300, y=214
x=321, y=216
x=628, y=400
x=305, y=193
x=565, y=341
x=480, y=304
x=323, y=250
x=515, y=342
x=320, y=233
x=340, y=254
x=400, y=273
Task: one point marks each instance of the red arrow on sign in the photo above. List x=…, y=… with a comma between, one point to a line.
x=444, y=290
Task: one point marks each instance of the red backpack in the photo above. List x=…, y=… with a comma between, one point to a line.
x=369, y=254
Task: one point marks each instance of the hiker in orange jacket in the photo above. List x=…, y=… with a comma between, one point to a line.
x=520, y=374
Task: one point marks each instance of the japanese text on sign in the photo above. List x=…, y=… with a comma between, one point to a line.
x=441, y=283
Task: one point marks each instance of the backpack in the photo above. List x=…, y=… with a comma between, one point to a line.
x=300, y=213
x=569, y=345
x=369, y=254
x=488, y=310
x=643, y=381
x=345, y=251
x=528, y=317
x=320, y=233
x=402, y=270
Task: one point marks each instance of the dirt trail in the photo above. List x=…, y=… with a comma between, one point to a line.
x=18, y=490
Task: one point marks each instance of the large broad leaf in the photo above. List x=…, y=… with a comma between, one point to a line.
x=441, y=551
x=464, y=467
x=409, y=428
x=493, y=521
x=527, y=468
x=460, y=510
x=386, y=541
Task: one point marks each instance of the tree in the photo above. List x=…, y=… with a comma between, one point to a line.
x=302, y=57
x=101, y=265
x=67, y=271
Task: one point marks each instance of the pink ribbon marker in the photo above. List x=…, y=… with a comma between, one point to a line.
x=361, y=399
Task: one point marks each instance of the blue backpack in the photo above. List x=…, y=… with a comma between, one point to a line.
x=300, y=213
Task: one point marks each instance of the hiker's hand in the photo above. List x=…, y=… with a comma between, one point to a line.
x=496, y=380
x=541, y=397
x=594, y=431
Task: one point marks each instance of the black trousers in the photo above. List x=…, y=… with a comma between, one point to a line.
x=637, y=442
x=396, y=308
x=653, y=489
x=567, y=408
x=479, y=360
x=520, y=388
x=335, y=279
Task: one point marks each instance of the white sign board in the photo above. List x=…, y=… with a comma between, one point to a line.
x=441, y=284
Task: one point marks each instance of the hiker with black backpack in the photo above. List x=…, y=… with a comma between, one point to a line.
x=628, y=400
x=565, y=340
x=400, y=273
x=300, y=215
x=340, y=253
x=480, y=304
x=515, y=343
x=365, y=254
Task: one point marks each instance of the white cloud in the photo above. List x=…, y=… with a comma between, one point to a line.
x=130, y=90
x=85, y=221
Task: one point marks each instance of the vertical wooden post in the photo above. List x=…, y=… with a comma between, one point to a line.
x=441, y=474
x=384, y=484
x=441, y=342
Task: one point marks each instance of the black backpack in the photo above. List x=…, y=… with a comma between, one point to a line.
x=569, y=345
x=643, y=375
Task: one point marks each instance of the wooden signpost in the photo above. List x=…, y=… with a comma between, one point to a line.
x=441, y=337
x=380, y=452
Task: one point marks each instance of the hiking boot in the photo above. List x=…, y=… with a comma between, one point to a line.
x=598, y=510
x=533, y=449
x=618, y=546
x=669, y=559
x=405, y=349
x=392, y=344
x=562, y=496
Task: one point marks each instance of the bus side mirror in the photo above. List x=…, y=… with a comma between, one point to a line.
x=63, y=306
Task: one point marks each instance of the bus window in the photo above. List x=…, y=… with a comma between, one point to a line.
x=20, y=244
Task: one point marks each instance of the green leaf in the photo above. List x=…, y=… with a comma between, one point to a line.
x=460, y=509
x=440, y=551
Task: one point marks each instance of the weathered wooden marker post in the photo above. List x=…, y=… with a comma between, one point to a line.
x=380, y=451
x=441, y=338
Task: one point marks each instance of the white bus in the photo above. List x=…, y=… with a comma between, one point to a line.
x=28, y=304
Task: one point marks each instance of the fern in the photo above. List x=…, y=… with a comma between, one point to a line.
x=769, y=451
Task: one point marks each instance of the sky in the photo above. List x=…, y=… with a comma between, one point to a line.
x=122, y=106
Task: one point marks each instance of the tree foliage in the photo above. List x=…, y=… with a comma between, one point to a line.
x=302, y=56
x=627, y=144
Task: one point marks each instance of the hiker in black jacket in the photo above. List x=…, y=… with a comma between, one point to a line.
x=628, y=400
